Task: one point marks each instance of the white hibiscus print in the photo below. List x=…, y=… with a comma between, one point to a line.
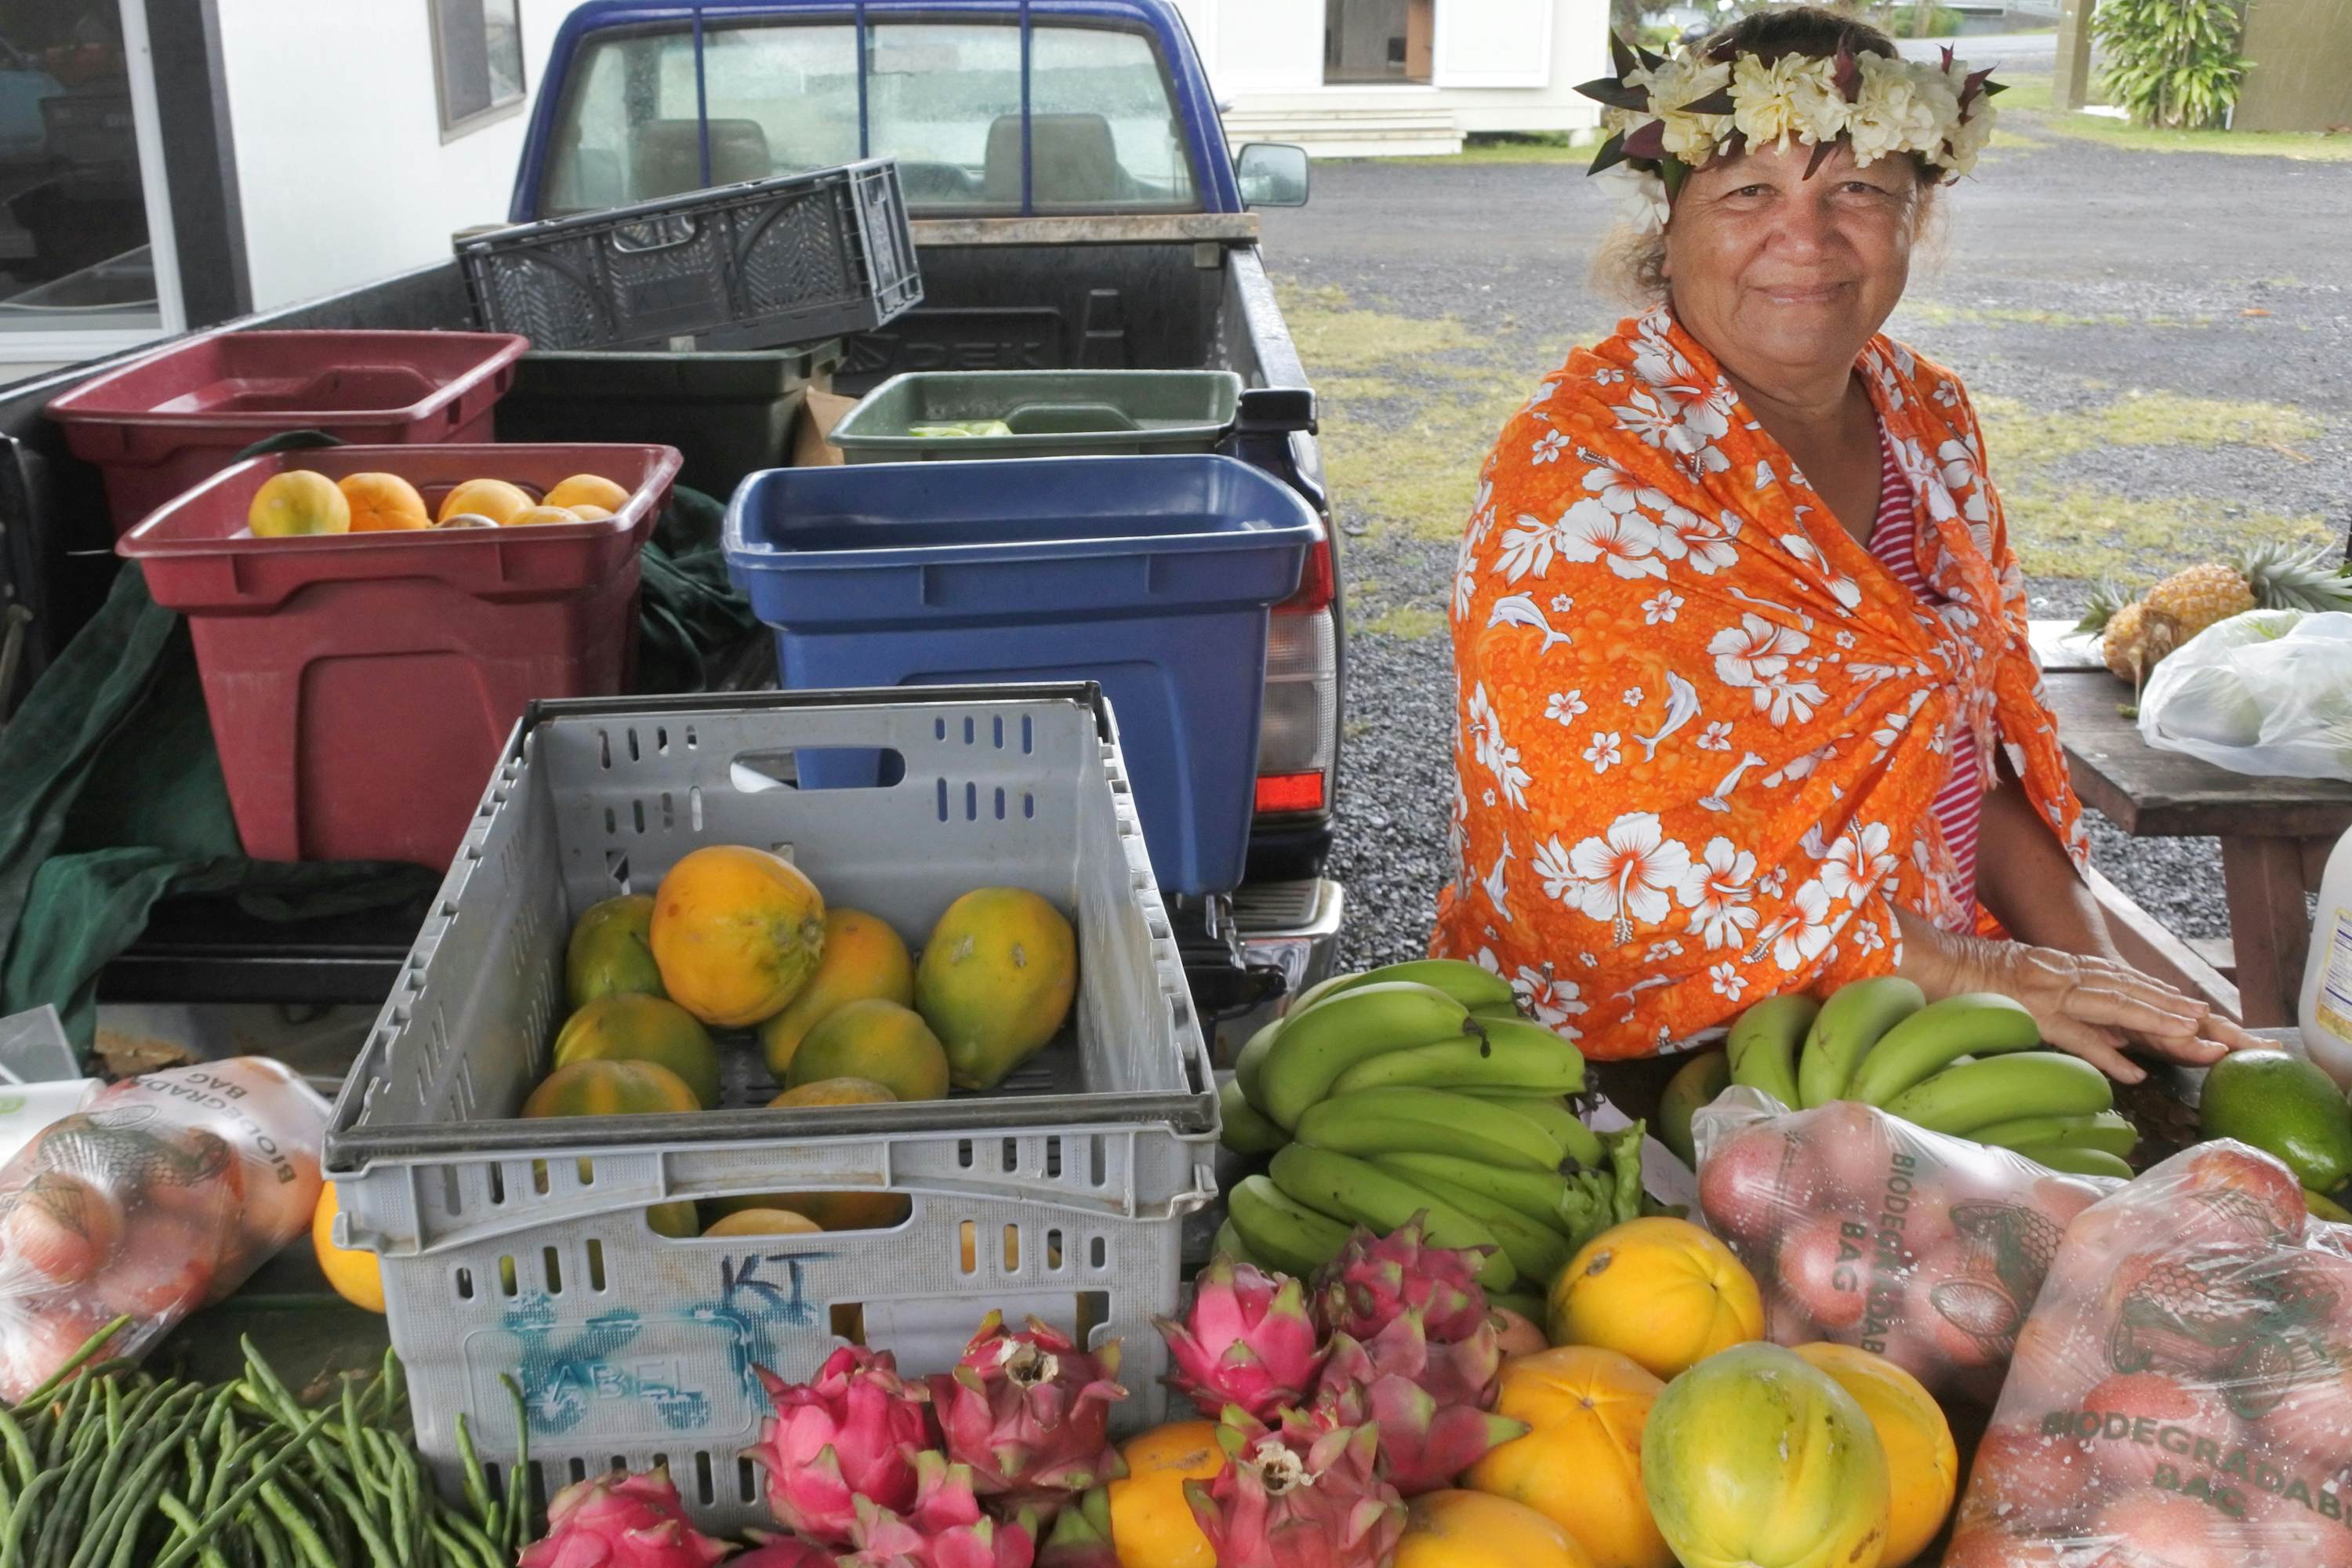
x=1844, y=639
x=1843, y=588
x=1789, y=701
x=1650, y=417
x=1630, y=873
x=1548, y=448
x=1619, y=491
x=1604, y=753
x=1589, y=531
x=1771, y=883
x=1715, y=737
x=1632, y=697
x=1728, y=982
x=1552, y=868
x=1465, y=578
x=1494, y=754
x=1867, y=937
x=1562, y=707
x=1529, y=546
x=1661, y=610
x=1755, y=651
x=1655, y=358
x=1561, y=604
x=1858, y=862
x=1718, y=892
x=1551, y=1000
x=1803, y=934
x=1684, y=534
x=1658, y=952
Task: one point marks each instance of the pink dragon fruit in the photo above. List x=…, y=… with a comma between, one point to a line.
x=852, y=1431
x=1082, y=1535
x=620, y=1520
x=943, y=1528
x=1247, y=1341
x=1464, y=1372
x=1029, y=1412
x=1306, y=1494
x=782, y=1551
x=1424, y=1444
x=1374, y=1279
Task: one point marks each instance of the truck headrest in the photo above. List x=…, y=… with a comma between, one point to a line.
x=1072, y=158
x=666, y=156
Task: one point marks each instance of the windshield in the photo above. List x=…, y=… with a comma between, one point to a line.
x=943, y=98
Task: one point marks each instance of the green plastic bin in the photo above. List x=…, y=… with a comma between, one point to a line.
x=729, y=414
x=1042, y=414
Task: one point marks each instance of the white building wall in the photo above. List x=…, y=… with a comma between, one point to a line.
x=342, y=172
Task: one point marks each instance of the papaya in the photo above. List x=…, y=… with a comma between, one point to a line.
x=1580, y=1464
x=876, y=1040
x=1923, y=1465
x=611, y=953
x=836, y=1091
x=1151, y=1525
x=830, y=1211
x=995, y=980
x=643, y=1029
x=762, y=1221
x=863, y=960
x=1756, y=1459
x=1662, y=1290
x=1471, y=1530
x=603, y=1087
x=735, y=933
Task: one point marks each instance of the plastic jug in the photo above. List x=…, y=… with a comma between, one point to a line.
x=2325, y=1008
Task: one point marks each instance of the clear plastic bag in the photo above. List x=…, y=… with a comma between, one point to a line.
x=160, y=1196
x=1864, y=1229
x=2182, y=1393
x=2267, y=692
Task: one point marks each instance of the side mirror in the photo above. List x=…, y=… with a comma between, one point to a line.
x=1271, y=174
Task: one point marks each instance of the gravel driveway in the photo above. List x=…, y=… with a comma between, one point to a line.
x=2157, y=343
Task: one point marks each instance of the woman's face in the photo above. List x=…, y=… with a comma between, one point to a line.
x=1782, y=276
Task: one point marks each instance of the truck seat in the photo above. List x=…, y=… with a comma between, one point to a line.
x=1072, y=159
x=666, y=156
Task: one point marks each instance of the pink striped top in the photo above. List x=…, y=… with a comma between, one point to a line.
x=1959, y=806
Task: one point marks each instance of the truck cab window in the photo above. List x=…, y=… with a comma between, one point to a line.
x=943, y=98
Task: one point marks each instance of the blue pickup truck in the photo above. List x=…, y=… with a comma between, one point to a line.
x=1075, y=205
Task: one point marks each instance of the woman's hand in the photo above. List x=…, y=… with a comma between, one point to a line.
x=2089, y=1006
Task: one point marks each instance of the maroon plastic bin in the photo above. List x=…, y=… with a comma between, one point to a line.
x=361, y=686
x=157, y=426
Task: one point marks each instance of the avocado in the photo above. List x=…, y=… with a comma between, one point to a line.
x=2285, y=1106
x=1695, y=1083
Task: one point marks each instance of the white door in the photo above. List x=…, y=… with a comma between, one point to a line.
x=1494, y=43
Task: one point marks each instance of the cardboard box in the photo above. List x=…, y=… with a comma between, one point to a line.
x=820, y=412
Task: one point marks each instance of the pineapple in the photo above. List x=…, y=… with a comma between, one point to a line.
x=2135, y=633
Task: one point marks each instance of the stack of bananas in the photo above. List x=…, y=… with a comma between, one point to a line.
x=1968, y=1066
x=1419, y=1088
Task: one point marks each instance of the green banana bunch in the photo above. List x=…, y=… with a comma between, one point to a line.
x=1993, y=1090
x=2078, y=1161
x=1552, y=1113
x=1503, y=1054
x=1357, y=1192
x=2106, y=1131
x=1537, y=1195
x=1467, y=983
x=1763, y=1043
x=1382, y=1120
x=1849, y=1024
x=1358, y=1026
x=1246, y=1129
x=1980, y=1024
x=1279, y=1231
x=1535, y=1248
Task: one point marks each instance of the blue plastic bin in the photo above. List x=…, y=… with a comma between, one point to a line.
x=1151, y=574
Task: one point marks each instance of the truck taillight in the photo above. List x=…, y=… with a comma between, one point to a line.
x=1299, y=732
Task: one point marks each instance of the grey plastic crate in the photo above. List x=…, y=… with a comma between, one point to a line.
x=789, y=259
x=521, y=1247
x=1048, y=414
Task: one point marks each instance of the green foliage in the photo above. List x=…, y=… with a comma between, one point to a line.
x=2172, y=64
x=1904, y=21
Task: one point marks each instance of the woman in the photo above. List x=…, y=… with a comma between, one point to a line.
x=1746, y=699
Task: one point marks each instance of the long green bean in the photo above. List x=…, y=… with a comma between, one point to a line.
x=242, y=1495
x=12, y=1539
x=172, y=1509
x=74, y=1363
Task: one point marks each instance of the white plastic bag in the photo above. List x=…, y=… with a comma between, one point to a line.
x=2267, y=692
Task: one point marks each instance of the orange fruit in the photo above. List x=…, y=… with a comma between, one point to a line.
x=831, y=1211
x=494, y=498
x=764, y=1222
x=382, y=502
x=1151, y=1525
x=356, y=1275
x=587, y=512
x=1471, y=1530
x=1580, y=1464
x=601, y=1087
x=1661, y=1290
x=737, y=932
x=543, y=514
x=298, y=501
x=593, y=489
x=632, y=1028
x=878, y=1040
x=1923, y=1467
x=837, y=1091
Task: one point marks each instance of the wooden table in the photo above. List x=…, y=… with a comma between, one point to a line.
x=2275, y=833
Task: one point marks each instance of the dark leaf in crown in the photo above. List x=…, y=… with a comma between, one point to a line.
x=1647, y=142
x=1849, y=74
x=1974, y=86
x=1611, y=154
x=1621, y=55
x=1608, y=89
x=1715, y=103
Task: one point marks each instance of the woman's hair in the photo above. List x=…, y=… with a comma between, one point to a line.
x=1632, y=265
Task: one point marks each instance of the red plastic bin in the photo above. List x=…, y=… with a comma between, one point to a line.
x=361, y=686
x=157, y=426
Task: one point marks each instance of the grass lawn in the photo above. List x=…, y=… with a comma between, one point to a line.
x=2029, y=101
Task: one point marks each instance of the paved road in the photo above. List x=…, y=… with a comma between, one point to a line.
x=2026, y=51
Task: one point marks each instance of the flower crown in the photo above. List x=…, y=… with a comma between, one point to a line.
x=1670, y=115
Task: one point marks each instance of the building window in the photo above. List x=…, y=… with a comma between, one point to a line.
x=1366, y=41
x=477, y=61
x=78, y=151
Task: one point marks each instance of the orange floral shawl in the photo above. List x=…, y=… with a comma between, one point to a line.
x=1701, y=729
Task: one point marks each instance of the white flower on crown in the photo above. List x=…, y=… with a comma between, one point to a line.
x=1641, y=196
x=1889, y=115
x=1675, y=84
x=1963, y=141
x=1772, y=103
